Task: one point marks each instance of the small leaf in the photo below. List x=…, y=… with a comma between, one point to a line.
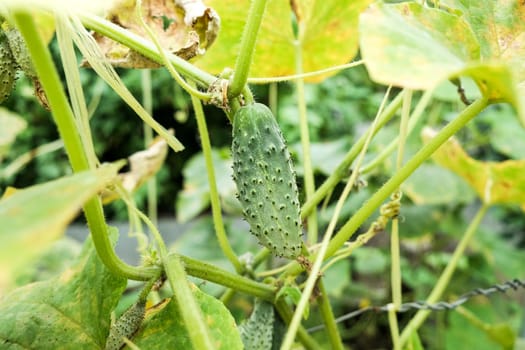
x=68, y=312
x=494, y=182
x=164, y=328
x=293, y=294
x=39, y=214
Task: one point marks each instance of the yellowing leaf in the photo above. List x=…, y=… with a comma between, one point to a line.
x=494, y=182
x=329, y=37
x=33, y=217
x=184, y=28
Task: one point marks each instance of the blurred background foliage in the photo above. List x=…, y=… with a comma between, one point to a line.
x=437, y=207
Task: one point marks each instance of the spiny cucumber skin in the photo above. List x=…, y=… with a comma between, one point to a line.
x=267, y=189
x=126, y=326
x=20, y=52
x=257, y=331
x=8, y=68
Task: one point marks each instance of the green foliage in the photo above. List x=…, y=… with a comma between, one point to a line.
x=69, y=311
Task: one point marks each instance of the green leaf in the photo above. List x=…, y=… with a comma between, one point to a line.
x=422, y=186
x=11, y=124
x=68, y=312
x=165, y=329
x=39, y=214
x=195, y=195
x=257, y=331
x=337, y=277
x=330, y=36
x=507, y=136
x=494, y=182
x=293, y=294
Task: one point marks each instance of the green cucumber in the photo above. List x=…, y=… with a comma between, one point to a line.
x=8, y=68
x=20, y=52
x=257, y=331
x=126, y=326
x=267, y=189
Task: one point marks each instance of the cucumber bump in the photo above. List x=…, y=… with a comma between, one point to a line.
x=267, y=189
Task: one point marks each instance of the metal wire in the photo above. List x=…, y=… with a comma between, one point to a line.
x=514, y=284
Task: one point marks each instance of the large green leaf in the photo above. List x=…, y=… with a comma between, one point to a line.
x=68, y=312
x=329, y=38
x=417, y=47
x=165, y=329
x=39, y=214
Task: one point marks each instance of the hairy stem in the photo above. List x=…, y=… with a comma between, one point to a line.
x=214, y=193
x=65, y=121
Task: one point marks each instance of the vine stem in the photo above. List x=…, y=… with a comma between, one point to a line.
x=395, y=274
x=214, y=193
x=194, y=322
x=145, y=48
x=247, y=47
x=364, y=212
x=309, y=184
x=445, y=277
x=147, y=101
x=65, y=121
x=267, y=80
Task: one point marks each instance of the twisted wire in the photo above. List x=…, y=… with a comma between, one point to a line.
x=514, y=284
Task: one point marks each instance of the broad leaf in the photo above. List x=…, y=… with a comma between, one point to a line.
x=417, y=47
x=37, y=215
x=165, y=329
x=68, y=312
x=329, y=38
x=494, y=182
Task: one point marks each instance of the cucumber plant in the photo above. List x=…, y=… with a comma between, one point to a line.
x=263, y=172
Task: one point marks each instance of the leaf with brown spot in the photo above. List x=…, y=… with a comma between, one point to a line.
x=183, y=28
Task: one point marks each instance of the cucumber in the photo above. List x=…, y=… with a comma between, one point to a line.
x=20, y=52
x=257, y=331
x=126, y=326
x=267, y=189
x=8, y=68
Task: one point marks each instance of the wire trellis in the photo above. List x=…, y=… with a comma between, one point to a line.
x=514, y=284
